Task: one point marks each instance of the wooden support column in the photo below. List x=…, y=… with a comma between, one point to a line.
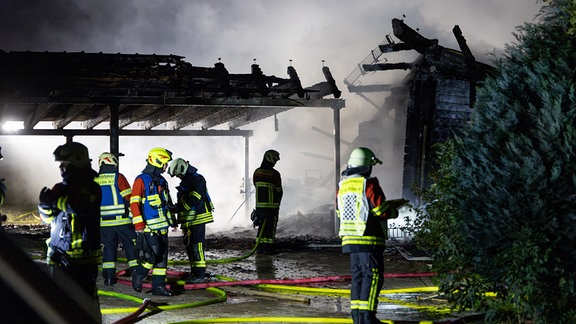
x=246, y=166
x=247, y=181
x=336, y=114
x=114, y=129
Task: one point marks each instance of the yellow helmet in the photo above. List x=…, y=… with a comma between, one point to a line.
x=362, y=156
x=74, y=153
x=107, y=158
x=158, y=157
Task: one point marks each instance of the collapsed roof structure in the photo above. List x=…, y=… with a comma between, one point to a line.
x=441, y=88
x=135, y=93
x=148, y=89
x=131, y=94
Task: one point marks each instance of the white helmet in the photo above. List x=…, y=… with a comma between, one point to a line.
x=178, y=167
x=107, y=158
x=362, y=157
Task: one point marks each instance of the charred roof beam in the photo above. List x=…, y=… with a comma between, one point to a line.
x=200, y=112
x=254, y=114
x=469, y=59
x=221, y=116
x=135, y=113
x=387, y=66
x=389, y=48
x=101, y=113
x=70, y=115
x=412, y=37
x=163, y=115
x=41, y=110
x=126, y=132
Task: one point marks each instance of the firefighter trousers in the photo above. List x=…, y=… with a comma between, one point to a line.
x=267, y=229
x=111, y=236
x=367, y=279
x=194, y=238
x=158, y=243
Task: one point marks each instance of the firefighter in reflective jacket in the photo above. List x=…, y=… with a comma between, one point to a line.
x=72, y=208
x=115, y=217
x=363, y=210
x=150, y=204
x=194, y=212
x=268, y=184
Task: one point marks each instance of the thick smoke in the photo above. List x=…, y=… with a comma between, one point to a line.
x=300, y=32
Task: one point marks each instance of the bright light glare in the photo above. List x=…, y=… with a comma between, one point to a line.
x=13, y=125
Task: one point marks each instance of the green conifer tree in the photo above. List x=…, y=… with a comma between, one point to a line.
x=515, y=171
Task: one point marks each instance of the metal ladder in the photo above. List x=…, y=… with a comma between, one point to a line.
x=372, y=58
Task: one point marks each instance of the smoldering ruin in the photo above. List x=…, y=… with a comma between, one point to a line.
x=136, y=95
x=115, y=96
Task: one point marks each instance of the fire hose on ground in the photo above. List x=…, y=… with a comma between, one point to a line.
x=282, y=285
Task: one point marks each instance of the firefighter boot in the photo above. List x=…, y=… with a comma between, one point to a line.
x=137, y=281
x=368, y=317
x=162, y=291
x=109, y=276
x=355, y=318
x=197, y=275
x=193, y=279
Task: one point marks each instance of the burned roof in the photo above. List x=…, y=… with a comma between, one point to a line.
x=145, y=90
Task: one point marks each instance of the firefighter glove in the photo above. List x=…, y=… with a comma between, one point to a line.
x=174, y=209
x=256, y=218
x=47, y=198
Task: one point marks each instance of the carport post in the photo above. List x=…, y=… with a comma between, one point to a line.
x=246, y=171
x=114, y=137
x=336, y=111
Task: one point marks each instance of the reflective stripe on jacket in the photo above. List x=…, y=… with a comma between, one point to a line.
x=361, y=206
x=353, y=206
x=74, y=223
x=113, y=211
x=195, y=203
x=149, y=203
x=268, y=188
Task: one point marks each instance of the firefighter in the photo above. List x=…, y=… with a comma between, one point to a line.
x=150, y=204
x=115, y=217
x=268, y=185
x=194, y=212
x=72, y=208
x=363, y=210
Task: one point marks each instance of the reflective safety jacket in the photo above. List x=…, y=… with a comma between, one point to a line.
x=149, y=203
x=115, y=198
x=268, y=184
x=194, y=204
x=74, y=223
x=362, y=209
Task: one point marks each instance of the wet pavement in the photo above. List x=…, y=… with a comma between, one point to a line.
x=303, y=284
x=305, y=281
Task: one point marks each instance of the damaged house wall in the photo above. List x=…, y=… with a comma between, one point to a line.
x=438, y=95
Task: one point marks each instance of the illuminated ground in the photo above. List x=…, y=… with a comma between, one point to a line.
x=276, y=298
